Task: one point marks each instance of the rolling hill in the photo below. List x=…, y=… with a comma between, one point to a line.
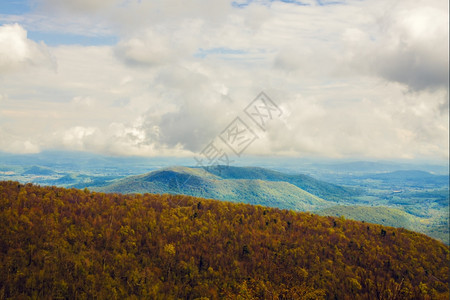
x=248, y=187
x=39, y=171
x=58, y=243
x=387, y=216
x=322, y=189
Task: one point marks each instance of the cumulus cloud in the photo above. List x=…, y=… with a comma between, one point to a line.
x=407, y=45
x=17, y=144
x=17, y=51
x=115, y=139
x=402, y=42
x=76, y=137
x=149, y=49
x=388, y=125
x=343, y=75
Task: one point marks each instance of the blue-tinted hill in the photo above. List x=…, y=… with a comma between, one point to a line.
x=237, y=184
x=410, y=177
x=39, y=171
x=316, y=187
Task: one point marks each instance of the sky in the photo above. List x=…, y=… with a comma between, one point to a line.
x=341, y=79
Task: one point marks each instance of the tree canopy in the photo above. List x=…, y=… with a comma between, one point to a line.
x=69, y=243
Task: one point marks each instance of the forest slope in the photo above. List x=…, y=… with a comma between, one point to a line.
x=69, y=243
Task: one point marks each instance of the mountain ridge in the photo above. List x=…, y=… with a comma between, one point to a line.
x=260, y=186
x=201, y=182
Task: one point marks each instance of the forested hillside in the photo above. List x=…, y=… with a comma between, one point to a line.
x=418, y=209
x=387, y=215
x=236, y=184
x=69, y=243
x=218, y=181
x=198, y=182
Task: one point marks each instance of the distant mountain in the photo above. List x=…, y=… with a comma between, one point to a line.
x=251, y=185
x=88, y=163
x=405, y=175
x=410, y=178
x=364, y=167
x=322, y=189
x=40, y=171
x=80, y=181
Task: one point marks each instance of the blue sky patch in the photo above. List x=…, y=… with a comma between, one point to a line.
x=327, y=2
x=14, y=7
x=202, y=53
x=56, y=39
x=245, y=3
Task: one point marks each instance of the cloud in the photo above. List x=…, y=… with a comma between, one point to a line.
x=416, y=55
x=135, y=14
x=17, y=51
x=149, y=49
x=200, y=107
x=387, y=124
x=359, y=79
x=115, y=139
x=401, y=42
x=79, y=5
x=76, y=137
x=16, y=144
x=406, y=46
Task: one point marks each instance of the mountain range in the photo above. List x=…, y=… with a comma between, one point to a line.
x=260, y=186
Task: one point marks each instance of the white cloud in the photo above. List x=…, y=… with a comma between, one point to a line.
x=149, y=49
x=79, y=5
x=17, y=51
x=408, y=45
x=365, y=79
x=83, y=102
x=76, y=137
x=383, y=126
x=16, y=144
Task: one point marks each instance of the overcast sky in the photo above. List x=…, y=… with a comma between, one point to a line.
x=365, y=79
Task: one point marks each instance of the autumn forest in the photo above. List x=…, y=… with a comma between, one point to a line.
x=58, y=243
